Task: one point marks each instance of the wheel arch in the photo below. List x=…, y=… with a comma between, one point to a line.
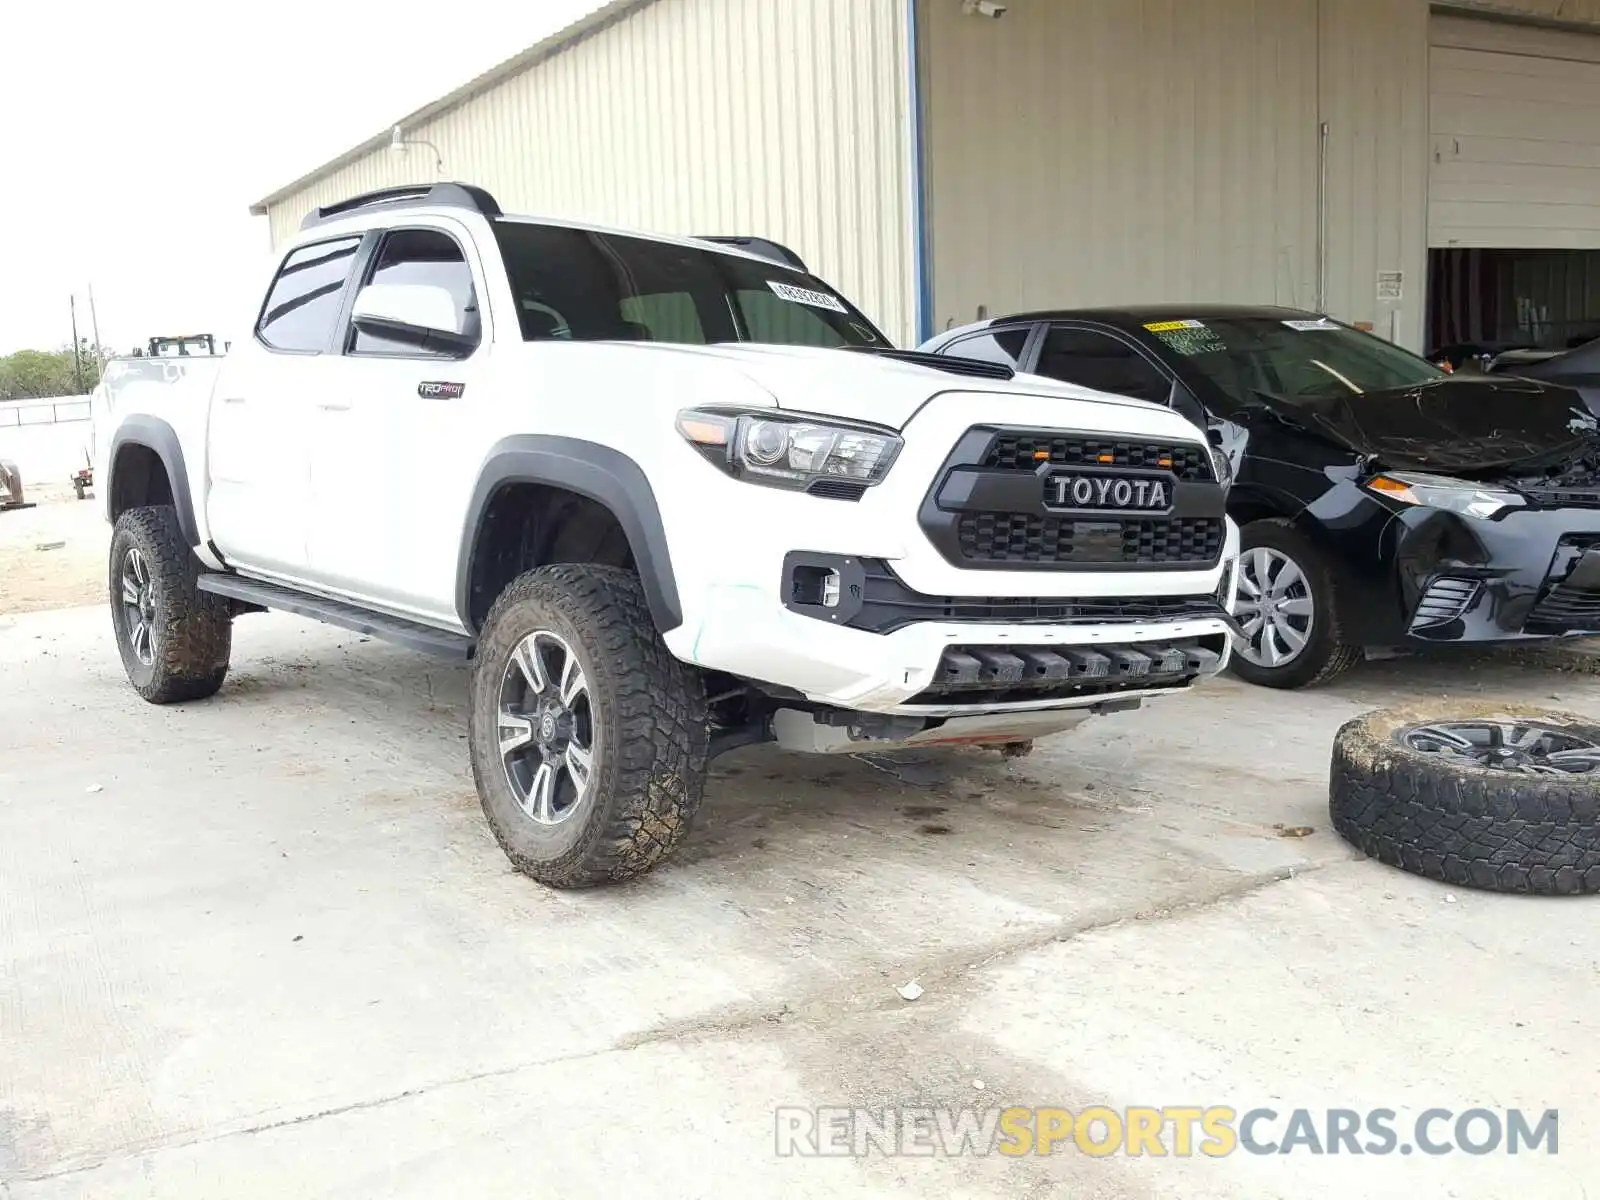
x=600, y=474
x=140, y=445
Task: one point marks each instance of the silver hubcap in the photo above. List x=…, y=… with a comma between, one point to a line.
x=547, y=728
x=1272, y=601
x=139, y=606
x=1521, y=746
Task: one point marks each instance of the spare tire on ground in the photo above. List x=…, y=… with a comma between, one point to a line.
x=1502, y=797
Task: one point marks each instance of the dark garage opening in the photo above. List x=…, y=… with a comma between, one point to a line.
x=1487, y=301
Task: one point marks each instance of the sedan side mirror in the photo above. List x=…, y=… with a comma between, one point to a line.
x=417, y=314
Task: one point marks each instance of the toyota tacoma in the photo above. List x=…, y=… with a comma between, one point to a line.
x=668, y=496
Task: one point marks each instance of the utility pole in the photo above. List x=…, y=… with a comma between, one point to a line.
x=94, y=324
x=77, y=354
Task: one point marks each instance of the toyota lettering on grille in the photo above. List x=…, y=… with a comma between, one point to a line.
x=1107, y=492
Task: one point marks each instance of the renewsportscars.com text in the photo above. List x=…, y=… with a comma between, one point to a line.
x=1176, y=1130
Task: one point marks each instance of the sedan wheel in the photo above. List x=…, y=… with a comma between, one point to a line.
x=1274, y=607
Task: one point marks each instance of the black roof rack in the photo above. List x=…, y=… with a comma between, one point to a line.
x=765, y=247
x=413, y=195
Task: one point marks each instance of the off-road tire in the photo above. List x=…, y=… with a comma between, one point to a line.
x=192, y=632
x=651, y=740
x=1471, y=826
x=1326, y=655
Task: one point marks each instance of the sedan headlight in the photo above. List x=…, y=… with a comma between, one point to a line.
x=1440, y=491
x=789, y=452
x=1221, y=467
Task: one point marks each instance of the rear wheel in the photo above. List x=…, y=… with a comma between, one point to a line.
x=1285, y=604
x=175, y=640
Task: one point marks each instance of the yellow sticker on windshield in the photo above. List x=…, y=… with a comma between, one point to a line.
x=1169, y=326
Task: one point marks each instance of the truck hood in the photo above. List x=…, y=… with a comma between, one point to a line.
x=1459, y=426
x=862, y=386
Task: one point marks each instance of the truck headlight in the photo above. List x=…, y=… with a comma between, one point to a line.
x=1440, y=491
x=786, y=451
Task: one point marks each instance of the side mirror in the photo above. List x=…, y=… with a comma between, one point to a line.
x=418, y=314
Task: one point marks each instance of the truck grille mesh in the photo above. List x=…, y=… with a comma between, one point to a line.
x=1019, y=452
x=1020, y=537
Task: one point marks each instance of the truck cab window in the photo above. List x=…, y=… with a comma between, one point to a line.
x=425, y=256
x=303, y=303
x=1097, y=360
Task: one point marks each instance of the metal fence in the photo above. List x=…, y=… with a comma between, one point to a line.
x=17, y=413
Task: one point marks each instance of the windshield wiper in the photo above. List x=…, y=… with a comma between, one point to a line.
x=950, y=364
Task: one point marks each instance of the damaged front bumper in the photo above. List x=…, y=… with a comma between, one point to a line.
x=1531, y=574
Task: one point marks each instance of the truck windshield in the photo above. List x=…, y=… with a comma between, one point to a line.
x=1297, y=359
x=579, y=285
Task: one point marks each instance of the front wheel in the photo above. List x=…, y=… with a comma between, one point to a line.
x=588, y=739
x=1284, y=602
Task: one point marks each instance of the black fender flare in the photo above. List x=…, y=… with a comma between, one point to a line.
x=156, y=435
x=601, y=473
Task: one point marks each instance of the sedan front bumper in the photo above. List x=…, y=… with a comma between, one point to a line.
x=1530, y=574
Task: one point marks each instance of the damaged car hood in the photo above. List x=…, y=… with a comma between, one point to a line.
x=1450, y=426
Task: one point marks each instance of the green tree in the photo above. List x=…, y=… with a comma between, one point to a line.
x=31, y=373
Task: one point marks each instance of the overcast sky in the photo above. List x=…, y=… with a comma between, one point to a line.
x=135, y=135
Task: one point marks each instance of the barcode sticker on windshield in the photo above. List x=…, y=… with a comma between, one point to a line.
x=800, y=295
x=1308, y=326
x=1169, y=326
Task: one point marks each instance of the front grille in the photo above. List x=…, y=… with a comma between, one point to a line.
x=1024, y=538
x=1445, y=600
x=1011, y=674
x=888, y=604
x=1565, y=609
x=1025, y=451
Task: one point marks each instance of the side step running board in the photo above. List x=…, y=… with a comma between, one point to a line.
x=402, y=632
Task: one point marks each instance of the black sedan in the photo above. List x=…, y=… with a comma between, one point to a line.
x=1382, y=503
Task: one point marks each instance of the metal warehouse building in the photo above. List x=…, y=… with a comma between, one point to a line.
x=1432, y=170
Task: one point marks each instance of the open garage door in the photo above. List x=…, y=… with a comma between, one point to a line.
x=1515, y=124
x=1514, y=187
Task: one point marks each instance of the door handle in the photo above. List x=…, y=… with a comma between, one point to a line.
x=233, y=399
x=334, y=405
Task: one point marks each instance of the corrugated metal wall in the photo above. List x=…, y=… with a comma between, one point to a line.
x=783, y=118
x=1097, y=152
x=1373, y=88
x=1089, y=152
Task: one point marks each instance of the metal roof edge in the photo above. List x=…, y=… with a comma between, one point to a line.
x=607, y=14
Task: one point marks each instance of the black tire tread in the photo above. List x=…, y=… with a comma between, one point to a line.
x=661, y=737
x=1468, y=826
x=194, y=636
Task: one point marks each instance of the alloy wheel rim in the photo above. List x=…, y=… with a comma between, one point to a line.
x=546, y=728
x=1525, y=747
x=1274, y=607
x=139, y=606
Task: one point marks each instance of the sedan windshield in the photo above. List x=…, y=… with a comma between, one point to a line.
x=1297, y=359
x=579, y=285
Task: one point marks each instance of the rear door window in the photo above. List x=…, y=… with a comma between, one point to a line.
x=303, y=303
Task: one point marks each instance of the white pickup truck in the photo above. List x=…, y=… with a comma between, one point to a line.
x=668, y=496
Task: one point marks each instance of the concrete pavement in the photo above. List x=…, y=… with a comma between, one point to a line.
x=277, y=953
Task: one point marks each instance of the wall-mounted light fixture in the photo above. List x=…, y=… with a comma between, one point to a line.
x=399, y=144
